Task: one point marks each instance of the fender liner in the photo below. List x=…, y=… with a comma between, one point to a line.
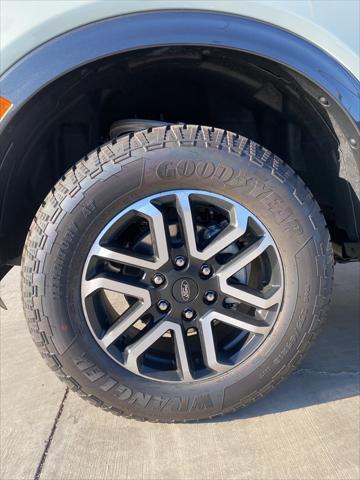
x=142, y=30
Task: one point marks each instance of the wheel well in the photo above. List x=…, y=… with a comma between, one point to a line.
x=224, y=88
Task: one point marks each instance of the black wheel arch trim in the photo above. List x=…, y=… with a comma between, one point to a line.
x=142, y=30
x=320, y=74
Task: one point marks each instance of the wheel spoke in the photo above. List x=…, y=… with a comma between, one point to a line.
x=245, y=294
x=102, y=283
x=208, y=346
x=244, y=258
x=133, y=351
x=181, y=354
x=129, y=317
x=256, y=300
x=243, y=322
x=235, y=229
x=125, y=321
x=158, y=234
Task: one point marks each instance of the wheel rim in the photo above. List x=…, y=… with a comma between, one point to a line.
x=182, y=285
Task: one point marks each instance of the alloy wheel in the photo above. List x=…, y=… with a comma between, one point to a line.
x=182, y=286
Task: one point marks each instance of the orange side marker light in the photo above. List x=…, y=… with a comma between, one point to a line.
x=5, y=106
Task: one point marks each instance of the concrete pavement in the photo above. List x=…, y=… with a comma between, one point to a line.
x=308, y=428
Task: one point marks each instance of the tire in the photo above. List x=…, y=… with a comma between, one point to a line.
x=125, y=171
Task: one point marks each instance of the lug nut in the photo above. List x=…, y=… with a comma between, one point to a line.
x=180, y=261
x=158, y=279
x=210, y=296
x=188, y=313
x=163, y=305
x=205, y=270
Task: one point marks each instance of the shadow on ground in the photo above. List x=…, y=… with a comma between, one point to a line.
x=307, y=428
x=330, y=370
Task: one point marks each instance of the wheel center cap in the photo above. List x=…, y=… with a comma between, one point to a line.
x=185, y=290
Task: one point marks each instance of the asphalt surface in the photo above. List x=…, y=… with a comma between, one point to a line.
x=308, y=428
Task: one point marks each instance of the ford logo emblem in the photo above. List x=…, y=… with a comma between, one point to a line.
x=185, y=290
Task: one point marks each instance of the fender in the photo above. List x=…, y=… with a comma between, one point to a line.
x=135, y=31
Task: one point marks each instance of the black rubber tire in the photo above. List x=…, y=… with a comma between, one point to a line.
x=125, y=170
